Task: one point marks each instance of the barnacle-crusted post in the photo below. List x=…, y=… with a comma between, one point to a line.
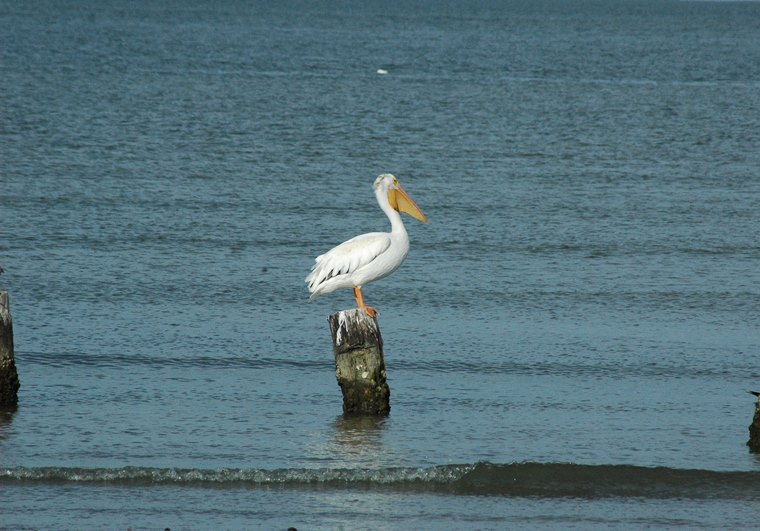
x=9, y=383
x=754, y=428
x=359, y=363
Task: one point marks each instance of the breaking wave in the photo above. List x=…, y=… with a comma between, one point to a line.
x=485, y=479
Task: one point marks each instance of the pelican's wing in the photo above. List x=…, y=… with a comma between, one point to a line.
x=346, y=258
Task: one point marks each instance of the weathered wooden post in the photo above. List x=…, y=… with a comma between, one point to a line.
x=9, y=383
x=754, y=428
x=359, y=363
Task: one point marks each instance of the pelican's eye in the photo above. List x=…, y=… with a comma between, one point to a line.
x=395, y=182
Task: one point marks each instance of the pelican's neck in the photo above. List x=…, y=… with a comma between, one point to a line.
x=397, y=226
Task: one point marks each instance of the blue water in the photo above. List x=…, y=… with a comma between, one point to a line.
x=587, y=291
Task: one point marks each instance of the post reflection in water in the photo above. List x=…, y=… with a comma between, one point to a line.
x=358, y=441
x=6, y=417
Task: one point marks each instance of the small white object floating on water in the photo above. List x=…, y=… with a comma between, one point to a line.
x=382, y=71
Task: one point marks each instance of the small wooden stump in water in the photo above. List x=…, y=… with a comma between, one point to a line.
x=359, y=363
x=754, y=428
x=9, y=383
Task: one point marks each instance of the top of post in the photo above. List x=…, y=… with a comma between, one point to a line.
x=353, y=328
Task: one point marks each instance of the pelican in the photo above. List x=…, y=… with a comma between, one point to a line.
x=367, y=257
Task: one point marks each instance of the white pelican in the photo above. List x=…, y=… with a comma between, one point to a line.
x=371, y=256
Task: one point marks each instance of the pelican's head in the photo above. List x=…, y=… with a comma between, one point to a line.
x=397, y=197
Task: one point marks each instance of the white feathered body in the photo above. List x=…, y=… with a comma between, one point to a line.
x=365, y=258
x=358, y=261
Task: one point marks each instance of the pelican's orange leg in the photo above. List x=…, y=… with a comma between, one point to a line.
x=369, y=310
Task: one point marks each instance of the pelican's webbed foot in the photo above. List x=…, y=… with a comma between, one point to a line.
x=369, y=310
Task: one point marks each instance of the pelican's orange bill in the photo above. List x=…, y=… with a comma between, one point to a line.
x=401, y=202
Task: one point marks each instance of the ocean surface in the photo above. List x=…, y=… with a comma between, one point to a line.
x=569, y=343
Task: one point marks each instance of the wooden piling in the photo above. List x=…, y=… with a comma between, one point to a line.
x=9, y=383
x=359, y=363
x=754, y=428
